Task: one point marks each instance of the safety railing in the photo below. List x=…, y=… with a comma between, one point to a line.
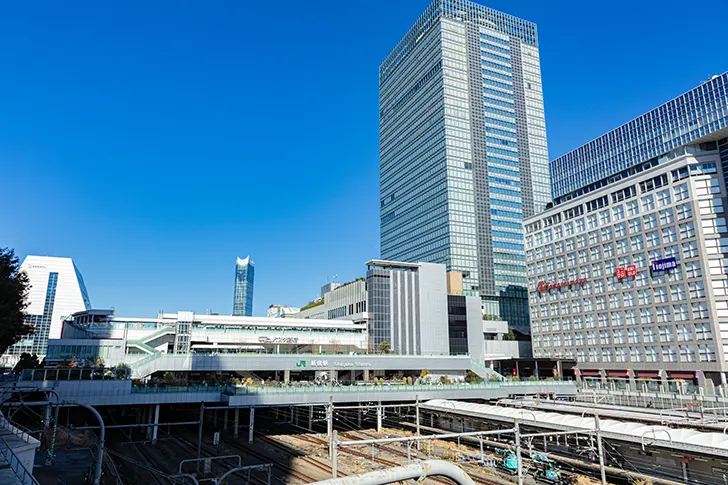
x=16, y=429
x=14, y=463
x=72, y=374
x=233, y=390
x=166, y=389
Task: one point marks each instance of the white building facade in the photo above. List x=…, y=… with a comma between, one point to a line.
x=56, y=292
x=99, y=333
x=630, y=279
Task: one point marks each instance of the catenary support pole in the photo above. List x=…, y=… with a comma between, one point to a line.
x=199, y=431
x=330, y=427
x=252, y=422
x=379, y=417
x=155, y=429
x=417, y=417
x=519, y=458
x=600, y=450
x=334, y=454
x=100, y=444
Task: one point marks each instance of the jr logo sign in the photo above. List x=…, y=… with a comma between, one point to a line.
x=301, y=363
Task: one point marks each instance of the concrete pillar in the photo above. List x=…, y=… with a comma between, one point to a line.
x=663, y=380
x=294, y=412
x=155, y=429
x=632, y=380
x=310, y=418
x=237, y=422
x=150, y=419
x=250, y=428
x=286, y=376
x=358, y=418
x=291, y=421
x=366, y=374
x=225, y=420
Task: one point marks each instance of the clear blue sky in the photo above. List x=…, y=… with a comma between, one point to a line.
x=154, y=142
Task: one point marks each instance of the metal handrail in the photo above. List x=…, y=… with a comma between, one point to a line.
x=19, y=470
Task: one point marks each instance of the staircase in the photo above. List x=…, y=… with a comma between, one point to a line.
x=485, y=373
x=142, y=343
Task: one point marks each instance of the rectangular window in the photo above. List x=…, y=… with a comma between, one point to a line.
x=687, y=230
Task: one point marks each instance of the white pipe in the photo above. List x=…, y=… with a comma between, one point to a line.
x=416, y=471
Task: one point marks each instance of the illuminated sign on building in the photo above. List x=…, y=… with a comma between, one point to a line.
x=544, y=286
x=661, y=265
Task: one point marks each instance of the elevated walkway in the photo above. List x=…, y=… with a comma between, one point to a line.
x=121, y=392
x=158, y=362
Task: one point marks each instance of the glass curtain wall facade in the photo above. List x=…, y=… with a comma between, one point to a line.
x=463, y=155
x=243, y=299
x=701, y=112
x=57, y=291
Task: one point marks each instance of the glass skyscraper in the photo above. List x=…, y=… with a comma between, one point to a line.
x=463, y=154
x=243, y=300
x=700, y=114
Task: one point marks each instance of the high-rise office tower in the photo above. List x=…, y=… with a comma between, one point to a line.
x=56, y=292
x=243, y=300
x=463, y=155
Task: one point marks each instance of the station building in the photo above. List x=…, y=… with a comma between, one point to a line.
x=419, y=309
x=100, y=333
x=627, y=269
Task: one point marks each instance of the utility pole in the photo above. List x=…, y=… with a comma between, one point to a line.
x=600, y=449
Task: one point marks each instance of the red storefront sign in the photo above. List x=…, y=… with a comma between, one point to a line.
x=544, y=286
x=630, y=271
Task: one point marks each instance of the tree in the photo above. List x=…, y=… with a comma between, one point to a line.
x=384, y=348
x=472, y=378
x=14, y=287
x=122, y=371
x=424, y=373
x=510, y=335
x=27, y=361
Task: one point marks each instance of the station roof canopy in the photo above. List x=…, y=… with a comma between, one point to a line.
x=654, y=435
